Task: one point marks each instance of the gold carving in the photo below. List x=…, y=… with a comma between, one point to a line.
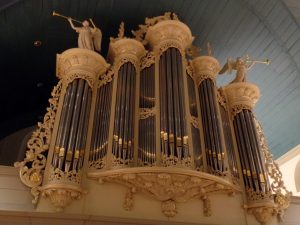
x=169, y=208
x=106, y=78
x=147, y=60
x=221, y=98
x=241, y=96
x=281, y=194
x=241, y=66
x=146, y=112
x=58, y=176
x=263, y=213
x=168, y=185
x=205, y=67
x=169, y=33
x=140, y=34
x=171, y=160
x=99, y=164
x=61, y=195
x=126, y=50
x=80, y=63
x=31, y=169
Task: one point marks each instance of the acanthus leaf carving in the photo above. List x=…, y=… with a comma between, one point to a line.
x=169, y=186
x=31, y=169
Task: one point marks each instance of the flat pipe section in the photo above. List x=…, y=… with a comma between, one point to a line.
x=212, y=130
x=124, y=119
x=228, y=142
x=99, y=143
x=146, y=150
x=195, y=130
x=70, y=141
x=254, y=172
x=174, y=139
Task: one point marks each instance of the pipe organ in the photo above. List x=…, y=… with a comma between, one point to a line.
x=151, y=118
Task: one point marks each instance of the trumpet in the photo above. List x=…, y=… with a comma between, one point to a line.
x=57, y=14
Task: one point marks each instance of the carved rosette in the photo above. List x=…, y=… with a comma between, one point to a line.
x=241, y=96
x=80, y=63
x=126, y=50
x=167, y=185
x=167, y=34
x=61, y=195
x=205, y=67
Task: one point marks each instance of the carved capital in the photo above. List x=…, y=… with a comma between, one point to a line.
x=205, y=67
x=241, y=96
x=80, y=63
x=126, y=50
x=62, y=195
x=169, y=33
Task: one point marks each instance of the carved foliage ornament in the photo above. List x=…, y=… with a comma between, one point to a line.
x=146, y=113
x=141, y=32
x=147, y=60
x=169, y=186
x=281, y=194
x=31, y=169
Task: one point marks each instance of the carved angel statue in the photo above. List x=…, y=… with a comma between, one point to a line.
x=241, y=66
x=89, y=37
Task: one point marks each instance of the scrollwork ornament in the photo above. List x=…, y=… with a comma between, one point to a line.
x=281, y=194
x=167, y=186
x=58, y=176
x=146, y=113
x=147, y=60
x=106, y=78
x=221, y=99
x=31, y=169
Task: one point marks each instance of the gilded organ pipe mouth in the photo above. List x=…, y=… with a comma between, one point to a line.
x=148, y=119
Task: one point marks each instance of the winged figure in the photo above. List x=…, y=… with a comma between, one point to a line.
x=89, y=37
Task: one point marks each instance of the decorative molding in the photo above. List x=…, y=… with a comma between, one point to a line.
x=58, y=176
x=126, y=50
x=169, y=160
x=147, y=60
x=80, y=63
x=221, y=98
x=167, y=185
x=141, y=32
x=61, y=195
x=205, y=67
x=107, y=77
x=99, y=164
x=241, y=96
x=147, y=112
x=169, y=33
x=31, y=169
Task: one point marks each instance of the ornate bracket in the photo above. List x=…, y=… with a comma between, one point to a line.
x=31, y=169
x=167, y=185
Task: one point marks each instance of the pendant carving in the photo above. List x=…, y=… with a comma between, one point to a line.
x=167, y=185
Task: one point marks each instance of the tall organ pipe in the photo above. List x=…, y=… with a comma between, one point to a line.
x=210, y=120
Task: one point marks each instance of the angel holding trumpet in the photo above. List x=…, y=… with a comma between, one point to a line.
x=241, y=66
x=88, y=37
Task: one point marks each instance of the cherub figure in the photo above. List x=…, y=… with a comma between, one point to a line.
x=89, y=37
x=241, y=66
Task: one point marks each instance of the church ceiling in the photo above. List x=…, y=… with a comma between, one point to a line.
x=260, y=28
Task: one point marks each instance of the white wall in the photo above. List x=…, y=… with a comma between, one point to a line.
x=289, y=165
